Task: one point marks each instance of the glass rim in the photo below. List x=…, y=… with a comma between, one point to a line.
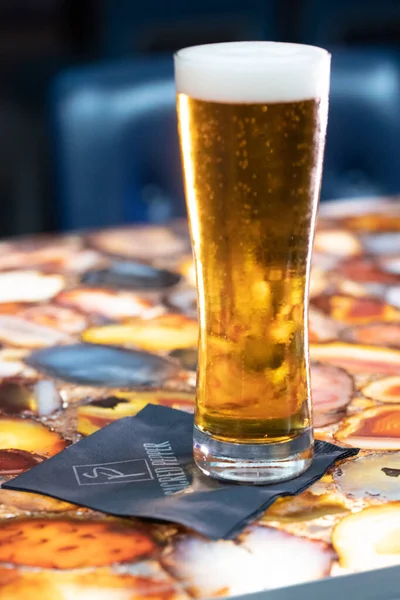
x=193, y=57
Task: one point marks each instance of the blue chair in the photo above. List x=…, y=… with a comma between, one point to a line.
x=116, y=146
x=127, y=28
x=337, y=22
x=363, y=139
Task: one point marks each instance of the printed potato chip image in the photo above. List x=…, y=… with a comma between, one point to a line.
x=106, y=303
x=385, y=390
x=32, y=436
x=225, y=562
x=95, y=327
x=149, y=583
x=104, y=411
x=67, y=543
x=369, y=539
x=357, y=358
x=162, y=334
x=332, y=389
x=373, y=429
x=375, y=476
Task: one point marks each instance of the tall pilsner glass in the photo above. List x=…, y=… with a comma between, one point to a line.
x=252, y=119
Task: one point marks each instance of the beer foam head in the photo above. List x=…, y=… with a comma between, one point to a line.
x=253, y=72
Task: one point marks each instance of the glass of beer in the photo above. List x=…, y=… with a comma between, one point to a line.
x=252, y=123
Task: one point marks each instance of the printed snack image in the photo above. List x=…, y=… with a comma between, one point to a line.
x=68, y=543
x=85, y=343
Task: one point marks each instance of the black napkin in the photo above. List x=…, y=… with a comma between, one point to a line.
x=143, y=467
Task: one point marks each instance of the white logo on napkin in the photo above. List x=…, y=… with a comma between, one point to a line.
x=125, y=471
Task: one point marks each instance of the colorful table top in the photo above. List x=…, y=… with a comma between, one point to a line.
x=92, y=327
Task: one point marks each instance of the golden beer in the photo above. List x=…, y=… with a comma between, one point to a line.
x=252, y=174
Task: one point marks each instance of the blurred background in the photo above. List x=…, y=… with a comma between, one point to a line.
x=88, y=129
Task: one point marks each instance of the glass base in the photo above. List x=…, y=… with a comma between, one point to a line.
x=256, y=464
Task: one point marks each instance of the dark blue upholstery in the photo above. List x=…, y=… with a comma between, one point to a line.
x=363, y=140
x=116, y=144
x=127, y=27
x=116, y=147
x=362, y=22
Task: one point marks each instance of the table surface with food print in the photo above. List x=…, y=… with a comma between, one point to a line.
x=95, y=326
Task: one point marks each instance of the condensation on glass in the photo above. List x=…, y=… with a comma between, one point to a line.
x=252, y=122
